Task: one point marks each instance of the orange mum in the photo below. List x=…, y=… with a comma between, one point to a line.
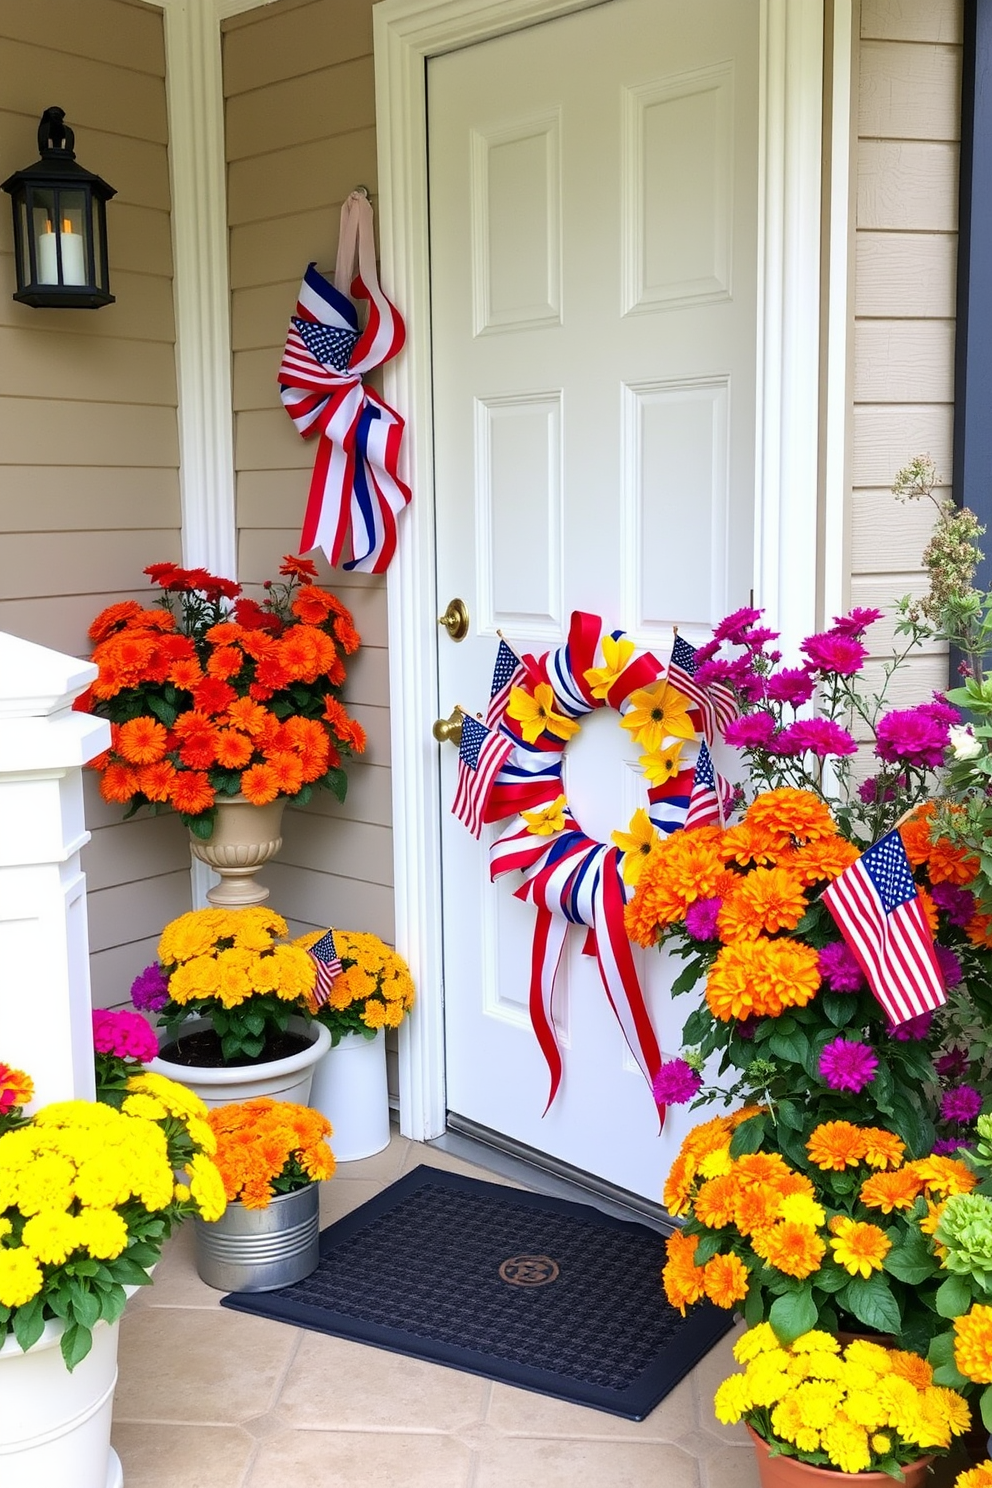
x=882, y=1149
x=156, y=781
x=260, y=784
x=192, y=792
x=142, y=741
x=791, y=816
x=233, y=749
x=836, y=1145
x=761, y=978
x=766, y=900
x=793, y=1248
x=119, y=782
x=684, y=1281
x=725, y=1280
x=944, y=1175
x=685, y=867
x=714, y=1203
x=114, y=617
x=823, y=860
x=888, y=1191
x=312, y=605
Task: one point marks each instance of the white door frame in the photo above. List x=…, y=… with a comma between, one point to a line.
x=406, y=33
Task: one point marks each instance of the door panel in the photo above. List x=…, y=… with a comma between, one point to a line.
x=593, y=203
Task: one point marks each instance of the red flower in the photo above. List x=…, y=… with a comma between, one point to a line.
x=253, y=616
x=298, y=568
x=212, y=695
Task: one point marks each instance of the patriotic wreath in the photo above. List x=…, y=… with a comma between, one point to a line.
x=510, y=766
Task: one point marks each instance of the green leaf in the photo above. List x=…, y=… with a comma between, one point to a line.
x=164, y=712
x=749, y=1136
x=793, y=1046
x=76, y=1344
x=754, y=1305
x=337, y=783
x=953, y=1297
x=686, y=980
x=793, y=1314
x=29, y=1323
x=697, y=1026
x=986, y=1407
x=127, y=1272
x=941, y=1348
x=911, y=1261
x=201, y=826
x=839, y=1007
x=830, y=1278
x=872, y=1303
x=85, y=1304
x=707, y=1246
x=790, y=1115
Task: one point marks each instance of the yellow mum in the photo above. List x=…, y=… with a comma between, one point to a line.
x=859, y=1248
x=21, y=1277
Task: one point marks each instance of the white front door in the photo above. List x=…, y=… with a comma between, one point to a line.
x=594, y=275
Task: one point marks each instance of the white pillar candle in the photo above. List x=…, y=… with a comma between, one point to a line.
x=73, y=258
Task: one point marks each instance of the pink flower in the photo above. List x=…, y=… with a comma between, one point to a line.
x=839, y=969
x=734, y=627
x=675, y=1083
x=952, y=1064
x=961, y=1105
x=855, y=622
x=846, y=1064
x=700, y=918
x=912, y=736
x=958, y=904
x=752, y=730
x=792, y=685
x=124, y=1035
x=820, y=735
x=950, y=966
x=912, y=1029
x=832, y=652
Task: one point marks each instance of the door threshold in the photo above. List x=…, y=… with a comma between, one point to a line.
x=536, y=1170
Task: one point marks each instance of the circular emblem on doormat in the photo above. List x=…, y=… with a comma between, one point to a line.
x=529, y=1270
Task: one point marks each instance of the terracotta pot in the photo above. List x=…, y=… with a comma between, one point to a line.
x=789, y=1472
x=244, y=838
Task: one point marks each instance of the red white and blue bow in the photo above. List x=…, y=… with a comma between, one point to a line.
x=355, y=492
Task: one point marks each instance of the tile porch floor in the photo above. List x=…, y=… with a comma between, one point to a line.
x=208, y=1398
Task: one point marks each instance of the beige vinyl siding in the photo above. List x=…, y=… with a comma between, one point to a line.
x=300, y=128
x=909, y=109
x=89, y=486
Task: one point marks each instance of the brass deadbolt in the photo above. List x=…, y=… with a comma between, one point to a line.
x=455, y=620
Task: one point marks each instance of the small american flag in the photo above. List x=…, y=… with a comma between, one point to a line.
x=324, y=953
x=509, y=672
x=481, y=755
x=879, y=914
x=710, y=796
x=717, y=704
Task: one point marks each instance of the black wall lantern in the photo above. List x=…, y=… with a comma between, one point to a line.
x=60, y=225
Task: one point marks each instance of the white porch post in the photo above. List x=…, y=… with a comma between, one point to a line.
x=44, y=945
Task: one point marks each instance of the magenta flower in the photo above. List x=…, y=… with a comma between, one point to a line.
x=757, y=636
x=961, y=1105
x=700, y=918
x=820, y=735
x=839, y=969
x=124, y=1035
x=150, y=989
x=912, y=1029
x=830, y=652
x=846, y=1064
x=791, y=685
x=957, y=904
x=675, y=1083
x=952, y=1064
x=855, y=622
x=733, y=627
x=751, y=730
x=950, y=967
x=706, y=652
x=940, y=710
x=912, y=736
x=949, y=1146
x=747, y=1028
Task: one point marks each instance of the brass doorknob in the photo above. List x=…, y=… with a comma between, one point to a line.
x=449, y=730
x=455, y=620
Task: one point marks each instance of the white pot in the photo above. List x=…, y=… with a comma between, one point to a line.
x=349, y=1088
x=284, y=1079
x=55, y=1426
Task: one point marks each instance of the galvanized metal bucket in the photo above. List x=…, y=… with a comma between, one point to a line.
x=258, y=1250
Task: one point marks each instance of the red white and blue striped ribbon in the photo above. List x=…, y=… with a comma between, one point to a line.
x=356, y=493
x=570, y=878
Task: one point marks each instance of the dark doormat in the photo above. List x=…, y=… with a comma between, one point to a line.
x=519, y=1287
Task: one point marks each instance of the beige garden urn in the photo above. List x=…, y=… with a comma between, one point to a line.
x=244, y=838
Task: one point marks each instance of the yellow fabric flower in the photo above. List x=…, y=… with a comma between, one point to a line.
x=547, y=820
x=662, y=764
x=657, y=713
x=537, y=714
x=616, y=655
x=859, y=1248
x=635, y=844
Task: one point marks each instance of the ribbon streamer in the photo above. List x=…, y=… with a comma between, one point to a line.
x=356, y=493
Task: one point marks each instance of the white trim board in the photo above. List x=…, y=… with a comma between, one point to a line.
x=406, y=33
